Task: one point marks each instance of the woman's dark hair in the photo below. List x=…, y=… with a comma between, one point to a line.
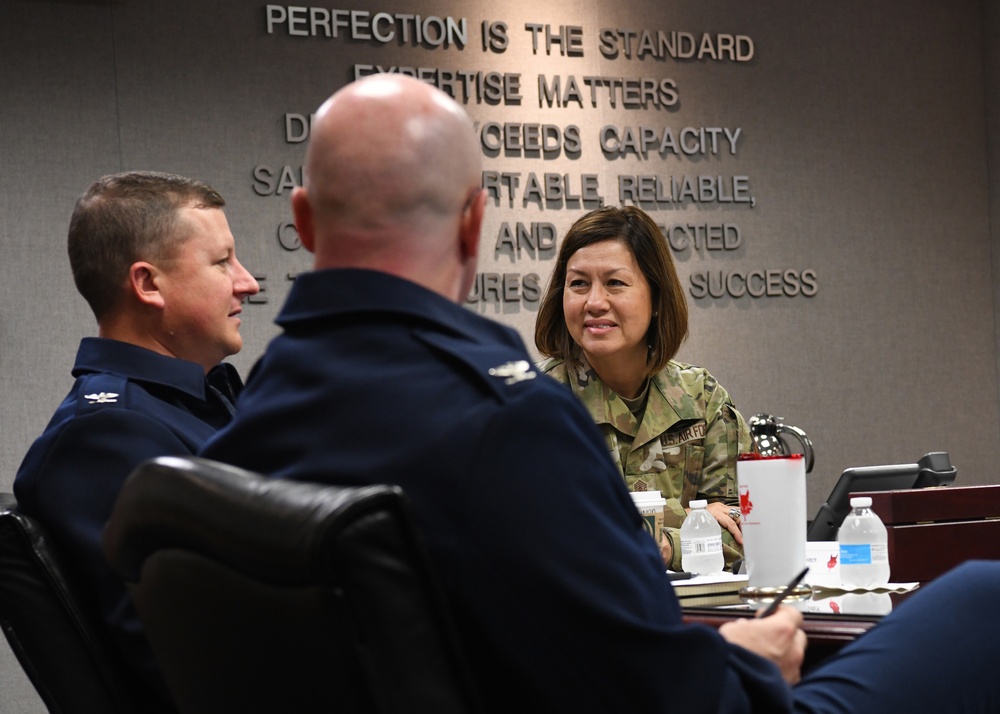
x=637, y=231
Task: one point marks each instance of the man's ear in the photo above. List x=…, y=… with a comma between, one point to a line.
x=305, y=221
x=471, y=224
x=143, y=284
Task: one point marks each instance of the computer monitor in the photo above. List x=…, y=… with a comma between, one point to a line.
x=934, y=469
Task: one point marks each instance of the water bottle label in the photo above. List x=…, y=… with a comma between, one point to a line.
x=856, y=554
x=880, y=552
x=701, y=546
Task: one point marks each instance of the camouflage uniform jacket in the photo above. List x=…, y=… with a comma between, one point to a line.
x=685, y=445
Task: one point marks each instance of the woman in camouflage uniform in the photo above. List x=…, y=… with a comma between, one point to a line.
x=612, y=318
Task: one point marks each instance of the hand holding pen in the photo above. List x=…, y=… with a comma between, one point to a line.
x=774, y=634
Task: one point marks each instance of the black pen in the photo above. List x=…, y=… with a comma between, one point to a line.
x=773, y=607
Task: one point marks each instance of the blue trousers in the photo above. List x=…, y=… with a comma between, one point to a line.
x=934, y=653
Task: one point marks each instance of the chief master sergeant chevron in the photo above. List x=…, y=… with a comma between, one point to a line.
x=381, y=376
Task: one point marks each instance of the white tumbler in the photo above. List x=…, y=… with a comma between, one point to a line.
x=773, y=506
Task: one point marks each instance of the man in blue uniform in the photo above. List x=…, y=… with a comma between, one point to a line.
x=381, y=376
x=154, y=257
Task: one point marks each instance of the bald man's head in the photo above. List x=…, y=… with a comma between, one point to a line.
x=392, y=170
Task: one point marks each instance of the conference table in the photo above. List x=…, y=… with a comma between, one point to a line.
x=827, y=633
x=827, y=626
x=930, y=531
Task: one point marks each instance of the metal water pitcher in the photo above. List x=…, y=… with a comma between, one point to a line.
x=768, y=431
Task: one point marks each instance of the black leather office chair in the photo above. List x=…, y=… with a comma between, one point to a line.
x=264, y=595
x=53, y=626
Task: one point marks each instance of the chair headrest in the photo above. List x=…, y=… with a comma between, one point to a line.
x=278, y=529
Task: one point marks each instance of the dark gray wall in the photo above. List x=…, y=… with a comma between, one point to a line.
x=867, y=136
x=991, y=64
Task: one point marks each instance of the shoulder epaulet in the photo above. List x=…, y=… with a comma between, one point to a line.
x=513, y=371
x=499, y=367
x=505, y=376
x=100, y=391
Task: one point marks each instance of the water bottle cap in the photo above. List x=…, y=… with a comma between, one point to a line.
x=702, y=503
x=861, y=502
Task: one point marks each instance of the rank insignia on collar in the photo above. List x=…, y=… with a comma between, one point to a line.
x=514, y=372
x=102, y=398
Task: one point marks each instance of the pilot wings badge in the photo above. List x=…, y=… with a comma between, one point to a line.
x=102, y=398
x=514, y=372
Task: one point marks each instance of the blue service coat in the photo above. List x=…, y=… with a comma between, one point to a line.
x=127, y=405
x=559, y=594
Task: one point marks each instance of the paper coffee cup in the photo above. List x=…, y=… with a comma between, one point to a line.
x=650, y=505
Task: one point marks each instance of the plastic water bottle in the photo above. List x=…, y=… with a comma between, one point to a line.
x=701, y=541
x=864, y=546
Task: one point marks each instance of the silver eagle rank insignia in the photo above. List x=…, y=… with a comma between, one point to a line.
x=514, y=372
x=102, y=398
